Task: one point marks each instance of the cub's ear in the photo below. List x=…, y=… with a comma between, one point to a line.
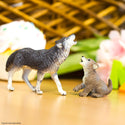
x=95, y=66
x=59, y=45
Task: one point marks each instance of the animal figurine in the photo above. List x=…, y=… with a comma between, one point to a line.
x=44, y=61
x=92, y=84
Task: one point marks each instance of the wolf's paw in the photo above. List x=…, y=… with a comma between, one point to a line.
x=10, y=88
x=39, y=92
x=63, y=92
x=34, y=89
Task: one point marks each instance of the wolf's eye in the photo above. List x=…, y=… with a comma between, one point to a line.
x=88, y=59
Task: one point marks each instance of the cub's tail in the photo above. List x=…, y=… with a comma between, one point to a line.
x=109, y=86
x=10, y=60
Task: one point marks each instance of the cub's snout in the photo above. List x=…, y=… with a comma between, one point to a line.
x=88, y=63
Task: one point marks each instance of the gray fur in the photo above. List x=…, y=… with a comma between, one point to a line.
x=44, y=61
x=92, y=84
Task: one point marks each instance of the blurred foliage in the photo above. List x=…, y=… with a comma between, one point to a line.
x=117, y=74
x=87, y=48
x=88, y=45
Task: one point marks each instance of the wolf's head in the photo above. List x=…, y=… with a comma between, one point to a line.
x=66, y=42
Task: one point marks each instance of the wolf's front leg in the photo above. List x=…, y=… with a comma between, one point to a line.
x=58, y=84
x=40, y=77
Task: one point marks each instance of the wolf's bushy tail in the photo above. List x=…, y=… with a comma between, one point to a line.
x=109, y=86
x=10, y=61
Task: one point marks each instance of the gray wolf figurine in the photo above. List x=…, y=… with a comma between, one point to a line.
x=92, y=84
x=44, y=61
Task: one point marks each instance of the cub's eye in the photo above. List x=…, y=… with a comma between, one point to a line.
x=88, y=59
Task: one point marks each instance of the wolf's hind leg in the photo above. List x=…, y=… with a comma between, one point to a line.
x=96, y=95
x=78, y=87
x=25, y=78
x=58, y=84
x=10, y=75
x=40, y=77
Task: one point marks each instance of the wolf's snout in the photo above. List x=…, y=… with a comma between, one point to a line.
x=75, y=42
x=72, y=36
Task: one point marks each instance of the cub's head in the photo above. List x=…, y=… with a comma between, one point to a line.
x=88, y=63
x=66, y=42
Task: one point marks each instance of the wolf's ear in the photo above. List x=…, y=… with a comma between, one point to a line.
x=59, y=45
x=60, y=40
x=95, y=66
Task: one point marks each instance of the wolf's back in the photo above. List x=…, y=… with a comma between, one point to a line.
x=10, y=60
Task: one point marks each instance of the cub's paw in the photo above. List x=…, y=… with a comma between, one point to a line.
x=75, y=89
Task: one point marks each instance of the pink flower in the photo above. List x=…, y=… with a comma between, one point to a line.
x=112, y=49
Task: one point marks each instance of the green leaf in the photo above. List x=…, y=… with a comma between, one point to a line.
x=122, y=75
x=85, y=48
x=117, y=74
x=88, y=44
x=114, y=73
x=72, y=63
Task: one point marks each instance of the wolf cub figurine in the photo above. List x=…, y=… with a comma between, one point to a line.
x=44, y=61
x=92, y=84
